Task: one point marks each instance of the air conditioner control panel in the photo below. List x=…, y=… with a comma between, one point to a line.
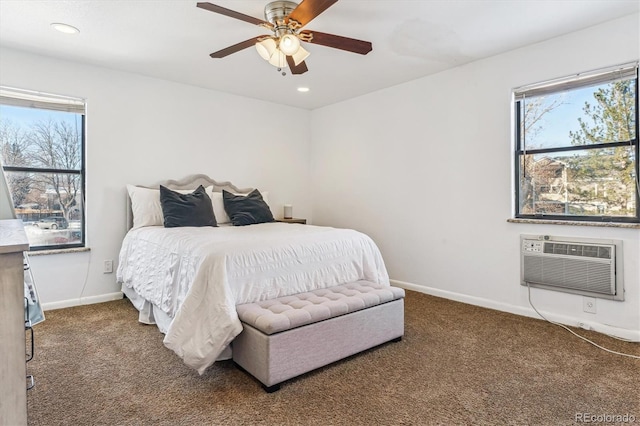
x=532, y=246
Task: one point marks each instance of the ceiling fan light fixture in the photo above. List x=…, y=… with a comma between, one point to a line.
x=289, y=44
x=300, y=56
x=278, y=59
x=266, y=48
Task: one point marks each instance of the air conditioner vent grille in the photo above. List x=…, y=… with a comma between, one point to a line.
x=600, y=252
x=569, y=273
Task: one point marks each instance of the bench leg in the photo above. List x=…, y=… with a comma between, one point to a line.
x=267, y=389
x=271, y=389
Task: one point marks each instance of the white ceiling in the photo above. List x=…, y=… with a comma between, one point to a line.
x=172, y=39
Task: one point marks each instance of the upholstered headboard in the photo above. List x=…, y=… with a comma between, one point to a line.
x=189, y=182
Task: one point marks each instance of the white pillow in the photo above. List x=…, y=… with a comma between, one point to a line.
x=146, y=207
x=218, y=206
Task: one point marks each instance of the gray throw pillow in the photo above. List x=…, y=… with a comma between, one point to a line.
x=247, y=209
x=193, y=209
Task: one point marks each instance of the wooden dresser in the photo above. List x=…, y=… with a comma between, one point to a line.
x=13, y=386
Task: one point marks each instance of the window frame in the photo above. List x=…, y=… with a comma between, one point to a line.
x=561, y=85
x=20, y=98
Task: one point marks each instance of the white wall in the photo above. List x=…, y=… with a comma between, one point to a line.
x=142, y=130
x=425, y=168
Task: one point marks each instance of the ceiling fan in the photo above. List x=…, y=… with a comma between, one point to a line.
x=285, y=19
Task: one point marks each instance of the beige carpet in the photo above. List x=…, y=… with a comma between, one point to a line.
x=457, y=364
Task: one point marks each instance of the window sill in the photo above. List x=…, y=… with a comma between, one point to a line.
x=577, y=223
x=58, y=251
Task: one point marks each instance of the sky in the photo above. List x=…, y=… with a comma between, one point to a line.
x=25, y=116
x=555, y=127
x=554, y=130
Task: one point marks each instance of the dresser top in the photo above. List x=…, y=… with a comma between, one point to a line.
x=12, y=236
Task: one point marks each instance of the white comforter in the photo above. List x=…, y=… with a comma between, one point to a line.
x=197, y=276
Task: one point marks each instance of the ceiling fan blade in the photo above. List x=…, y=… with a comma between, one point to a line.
x=301, y=68
x=309, y=9
x=339, y=42
x=236, y=47
x=233, y=14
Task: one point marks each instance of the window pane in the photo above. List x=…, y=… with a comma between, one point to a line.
x=584, y=116
x=592, y=182
x=50, y=205
x=40, y=138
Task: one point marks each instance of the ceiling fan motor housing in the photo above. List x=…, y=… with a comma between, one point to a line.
x=275, y=12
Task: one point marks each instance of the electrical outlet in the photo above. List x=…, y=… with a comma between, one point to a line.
x=589, y=304
x=108, y=267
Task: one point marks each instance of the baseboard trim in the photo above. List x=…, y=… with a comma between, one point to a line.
x=82, y=301
x=632, y=335
x=623, y=333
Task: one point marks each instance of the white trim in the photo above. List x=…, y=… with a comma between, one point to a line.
x=82, y=301
x=633, y=335
x=58, y=251
x=32, y=99
x=600, y=76
x=623, y=333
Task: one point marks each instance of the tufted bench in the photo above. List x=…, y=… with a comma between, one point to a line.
x=292, y=335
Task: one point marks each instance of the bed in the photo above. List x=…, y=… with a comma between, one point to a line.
x=188, y=280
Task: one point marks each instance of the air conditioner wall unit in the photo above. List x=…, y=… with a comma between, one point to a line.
x=586, y=266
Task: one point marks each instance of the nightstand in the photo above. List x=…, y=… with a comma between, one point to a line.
x=293, y=220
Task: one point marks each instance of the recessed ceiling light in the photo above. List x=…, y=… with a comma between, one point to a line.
x=303, y=89
x=65, y=28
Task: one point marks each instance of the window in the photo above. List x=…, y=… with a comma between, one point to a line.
x=42, y=144
x=576, y=154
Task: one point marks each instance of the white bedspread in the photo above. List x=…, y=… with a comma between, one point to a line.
x=197, y=276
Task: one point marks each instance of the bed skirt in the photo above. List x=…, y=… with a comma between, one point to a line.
x=150, y=314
